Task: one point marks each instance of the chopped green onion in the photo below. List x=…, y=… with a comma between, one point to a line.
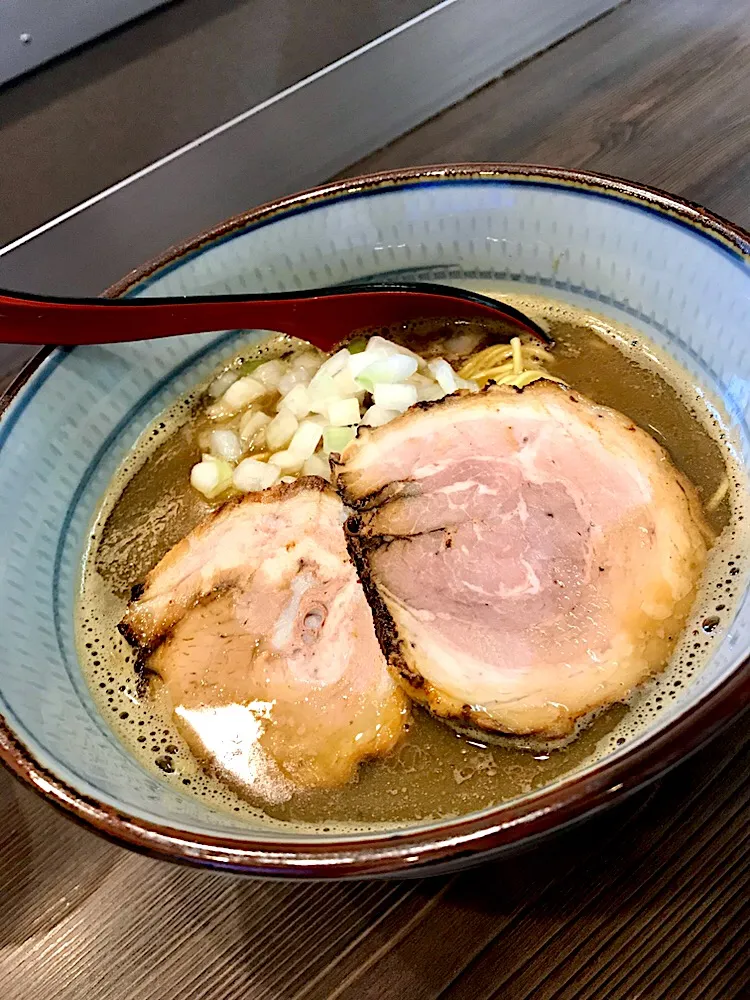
x=335, y=439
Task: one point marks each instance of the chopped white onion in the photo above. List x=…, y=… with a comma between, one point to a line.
x=345, y=385
x=396, y=368
x=447, y=377
x=306, y=363
x=280, y=430
x=251, y=425
x=220, y=384
x=335, y=439
x=444, y=374
x=287, y=460
x=297, y=401
x=376, y=416
x=306, y=438
x=290, y=380
x=335, y=364
x=270, y=373
x=243, y=392
x=387, y=347
x=394, y=397
x=429, y=393
x=211, y=476
x=317, y=465
x=225, y=444
x=343, y=412
x=379, y=345
x=204, y=476
x=358, y=362
x=321, y=390
x=252, y=475
x=318, y=398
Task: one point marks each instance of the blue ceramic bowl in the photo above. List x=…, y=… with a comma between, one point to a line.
x=669, y=269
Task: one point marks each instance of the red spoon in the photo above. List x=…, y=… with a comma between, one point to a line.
x=323, y=317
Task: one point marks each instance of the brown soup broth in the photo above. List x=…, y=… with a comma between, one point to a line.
x=435, y=771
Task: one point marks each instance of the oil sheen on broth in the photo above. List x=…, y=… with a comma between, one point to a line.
x=435, y=771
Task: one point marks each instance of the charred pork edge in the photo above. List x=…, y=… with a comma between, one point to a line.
x=385, y=627
x=281, y=491
x=468, y=720
x=392, y=646
x=386, y=631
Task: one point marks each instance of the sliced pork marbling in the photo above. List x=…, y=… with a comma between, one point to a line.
x=259, y=628
x=530, y=556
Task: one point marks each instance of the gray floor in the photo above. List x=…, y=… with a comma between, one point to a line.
x=78, y=125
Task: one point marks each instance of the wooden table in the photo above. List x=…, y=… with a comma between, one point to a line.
x=649, y=901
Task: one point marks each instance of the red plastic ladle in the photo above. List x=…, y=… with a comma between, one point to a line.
x=323, y=317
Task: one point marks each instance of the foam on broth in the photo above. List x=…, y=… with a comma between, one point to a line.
x=435, y=772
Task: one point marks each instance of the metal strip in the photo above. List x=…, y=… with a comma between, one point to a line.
x=298, y=138
x=33, y=31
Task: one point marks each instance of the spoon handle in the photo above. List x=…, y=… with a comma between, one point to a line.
x=323, y=317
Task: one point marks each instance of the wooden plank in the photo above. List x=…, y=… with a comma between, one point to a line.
x=615, y=899
x=658, y=92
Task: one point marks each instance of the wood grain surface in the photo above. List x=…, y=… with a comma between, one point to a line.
x=649, y=901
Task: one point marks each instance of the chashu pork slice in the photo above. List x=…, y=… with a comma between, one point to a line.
x=258, y=626
x=530, y=556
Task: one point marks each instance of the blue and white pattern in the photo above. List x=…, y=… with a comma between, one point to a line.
x=72, y=425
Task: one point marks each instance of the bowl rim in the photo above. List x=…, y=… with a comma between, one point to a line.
x=476, y=835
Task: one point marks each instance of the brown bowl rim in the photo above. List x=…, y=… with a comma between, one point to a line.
x=473, y=836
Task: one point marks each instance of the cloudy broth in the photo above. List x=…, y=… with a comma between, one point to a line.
x=435, y=771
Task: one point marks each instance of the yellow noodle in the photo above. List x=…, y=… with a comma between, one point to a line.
x=508, y=364
x=525, y=378
x=490, y=357
x=498, y=354
x=497, y=372
x=517, y=356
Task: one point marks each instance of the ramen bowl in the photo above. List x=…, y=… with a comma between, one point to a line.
x=670, y=270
